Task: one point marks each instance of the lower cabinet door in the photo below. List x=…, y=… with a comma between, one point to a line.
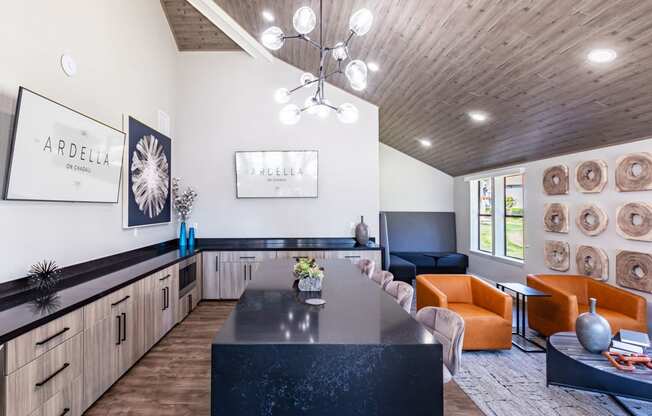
x=100, y=358
x=234, y=277
x=68, y=402
x=211, y=273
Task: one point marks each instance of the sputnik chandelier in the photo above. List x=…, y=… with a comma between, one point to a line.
x=304, y=22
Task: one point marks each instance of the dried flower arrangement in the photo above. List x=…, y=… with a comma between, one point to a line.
x=183, y=202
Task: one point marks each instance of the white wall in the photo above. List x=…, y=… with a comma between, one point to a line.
x=535, y=199
x=407, y=184
x=127, y=60
x=225, y=103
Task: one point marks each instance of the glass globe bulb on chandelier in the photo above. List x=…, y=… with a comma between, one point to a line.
x=304, y=22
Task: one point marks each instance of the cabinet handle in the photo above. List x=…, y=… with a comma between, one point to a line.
x=244, y=268
x=351, y=257
x=163, y=291
x=217, y=263
x=163, y=278
x=65, y=411
x=250, y=267
x=119, y=329
x=167, y=297
x=124, y=326
x=53, y=375
x=248, y=257
x=120, y=301
x=48, y=339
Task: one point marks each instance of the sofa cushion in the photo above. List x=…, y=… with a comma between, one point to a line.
x=434, y=262
x=402, y=270
x=483, y=329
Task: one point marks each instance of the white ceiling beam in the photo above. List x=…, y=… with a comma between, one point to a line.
x=231, y=28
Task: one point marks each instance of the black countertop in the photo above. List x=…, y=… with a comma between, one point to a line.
x=22, y=310
x=357, y=311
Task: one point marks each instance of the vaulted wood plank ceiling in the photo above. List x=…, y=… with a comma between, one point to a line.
x=521, y=61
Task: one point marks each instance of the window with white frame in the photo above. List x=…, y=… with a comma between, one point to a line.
x=498, y=216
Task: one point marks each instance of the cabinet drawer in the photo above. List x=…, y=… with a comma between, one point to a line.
x=65, y=403
x=29, y=346
x=297, y=254
x=246, y=256
x=355, y=255
x=34, y=384
x=101, y=309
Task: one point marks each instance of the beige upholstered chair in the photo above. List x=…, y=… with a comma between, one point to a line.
x=402, y=292
x=367, y=267
x=382, y=278
x=448, y=329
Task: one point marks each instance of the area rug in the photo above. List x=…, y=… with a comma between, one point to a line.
x=513, y=383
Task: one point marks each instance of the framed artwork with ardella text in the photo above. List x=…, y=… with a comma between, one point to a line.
x=147, y=199
x=59, y=154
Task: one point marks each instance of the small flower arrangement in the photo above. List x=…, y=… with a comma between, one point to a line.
x=183, y=202
x=307, y=268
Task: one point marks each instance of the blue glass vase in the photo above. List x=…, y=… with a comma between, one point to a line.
x=183, y=240
x=191, y=237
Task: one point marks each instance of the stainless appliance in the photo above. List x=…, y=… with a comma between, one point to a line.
x=187, y=276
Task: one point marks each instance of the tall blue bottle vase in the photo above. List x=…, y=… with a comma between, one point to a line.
x=183, y=239
x=191, y=237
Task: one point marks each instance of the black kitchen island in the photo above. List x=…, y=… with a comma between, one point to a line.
x=359, y=354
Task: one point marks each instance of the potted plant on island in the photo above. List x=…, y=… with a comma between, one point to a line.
x=309, y=274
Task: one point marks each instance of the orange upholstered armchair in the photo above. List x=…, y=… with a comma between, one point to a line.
x=487, y=312
x=570, y=297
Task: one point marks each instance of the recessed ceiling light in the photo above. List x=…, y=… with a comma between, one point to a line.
x=478, y=116
x=425, y=142
x=373, y=67
x=267, y=15
x=601, y=56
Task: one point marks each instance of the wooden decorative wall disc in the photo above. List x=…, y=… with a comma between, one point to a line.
x=555, y=180
x=635, y=221
x=555, y=218
x=634, y=270
x=593, y=262
x=634, y=172
x=591, y=220
x=557, y=255
x=591, y=176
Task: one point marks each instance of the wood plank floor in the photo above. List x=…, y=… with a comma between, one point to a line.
x=173, y=378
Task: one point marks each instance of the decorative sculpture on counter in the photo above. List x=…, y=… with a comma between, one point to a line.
x=309, y=274
x=557, y=255
x=183, y=205
x=555, y=180
x=593, y=331
x=362, y=233
x=634, y=221
x=591, y=220
x=44, y=275
x=593, y=262
x=634, y=270
x=555, y=218
x=634, y=172
x=591, y=176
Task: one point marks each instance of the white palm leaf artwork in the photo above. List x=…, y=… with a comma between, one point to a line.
x=150, y=176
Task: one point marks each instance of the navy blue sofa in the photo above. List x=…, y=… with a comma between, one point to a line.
x=420, y=243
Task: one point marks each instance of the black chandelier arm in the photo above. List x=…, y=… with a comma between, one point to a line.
x=348, y=40
x=337, y=71
x=302, y=86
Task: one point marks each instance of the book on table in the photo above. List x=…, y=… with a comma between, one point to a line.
x=626, y=347
x=634, y=338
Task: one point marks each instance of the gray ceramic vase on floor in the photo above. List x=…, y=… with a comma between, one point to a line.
x=593, y=331
x=362, y=233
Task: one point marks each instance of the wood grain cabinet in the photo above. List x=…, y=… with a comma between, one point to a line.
x=355, y=255
x=160, y=301
x=113, y=339
x=237, y=269
x=211, y=275
x=299, y=254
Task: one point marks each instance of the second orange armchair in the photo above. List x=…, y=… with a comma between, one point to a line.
x=487, y=312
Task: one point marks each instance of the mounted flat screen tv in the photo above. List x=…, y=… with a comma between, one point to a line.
x=277, y=174
x=59, y=154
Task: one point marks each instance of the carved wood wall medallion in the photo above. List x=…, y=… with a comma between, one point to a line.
x=635, y=221
x=555, y=218
x=593, y=262
x=634, y=270
x=634, y=172
x=555, y=180
x=591, y=220
x=591, y=176
x=557, y=255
